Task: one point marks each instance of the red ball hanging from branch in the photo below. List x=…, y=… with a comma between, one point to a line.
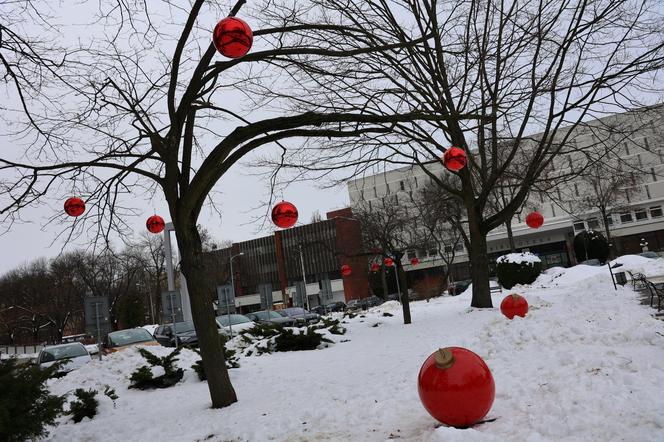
x=534, y=220
x=456, y=386
x=74, y=206
x=514, y=305
x=454, y=159
x=284, y=215
x=155, y=224
x=414, y=261
x=232, y=37
x=375, y=267
x=346, y=270
x=388, y=262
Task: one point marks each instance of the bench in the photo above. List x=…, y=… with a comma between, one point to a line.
x=656, y=290
x=638, y=279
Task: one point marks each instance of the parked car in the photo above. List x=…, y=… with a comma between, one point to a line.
x=271, y=317
x=458, y=287
x=356, y=304
x=185, y=332
x=300, y=315
x=73, y=355
x=319, y=310
x=373, y=301
x=591, y=262
x=234, y=323
x=336, y=306
x=649, y=254
x=122, y=339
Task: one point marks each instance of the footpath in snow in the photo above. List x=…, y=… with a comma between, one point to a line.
x=586, y=364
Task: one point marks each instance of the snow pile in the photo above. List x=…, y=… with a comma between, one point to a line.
x=586, y=363
x=519, y=258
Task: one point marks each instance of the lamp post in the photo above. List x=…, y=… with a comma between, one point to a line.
x=228, y=310
x=304, y=280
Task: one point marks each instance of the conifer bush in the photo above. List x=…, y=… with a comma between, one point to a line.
x=85, y=405
x=143, y=379
x=26, y=405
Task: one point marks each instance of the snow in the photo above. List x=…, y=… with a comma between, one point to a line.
x=519, y=258
x=586, y=363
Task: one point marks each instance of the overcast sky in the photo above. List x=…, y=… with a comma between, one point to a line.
x=238, y=195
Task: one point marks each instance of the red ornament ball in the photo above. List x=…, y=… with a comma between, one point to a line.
x=346, y=270
x=232, y=37
x=155, y=224
x=414, y=261
x=375, y=267
x=284, y=215
x=534, y=220
x=74, y=206
x=454, y=159
x=514, y=305
x=388, y=262
x=456, y=386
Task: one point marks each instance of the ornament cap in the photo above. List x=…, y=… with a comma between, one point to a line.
x=444, y=358
x=515, y=297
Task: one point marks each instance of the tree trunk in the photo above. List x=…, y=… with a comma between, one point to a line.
x=202, y=311
x=403, y=287
x=383, y=280
x=479, y=262
x=510, y=235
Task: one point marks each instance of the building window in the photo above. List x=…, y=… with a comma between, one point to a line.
x=638, y=157
x=401, y=185
x=411, y=254
x=576, y=189
x=375, y=193
x=448, y=249
x=654, y=176
x=541, y=195
x=593, y=223
x=579, y=226
x=387, y=187
x=647, y=191
x=645, y=141
x=626, y=148
x=459, y=248
x=641, y=214
x=553, y=210
x=626, y=217
x=627, y=195
x=569, y=160
x=609, y=220
x=656, y=211
x=415, y=178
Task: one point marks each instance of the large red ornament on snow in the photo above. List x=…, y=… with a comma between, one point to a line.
x=388, y=262
x=232, y=37
x=414, y=261
x=456, y=386
x=74, y=206
x=375, y=267
x=284, y=215
x=534, y=220
x=454, y=159
x=155, y=224
x=346, y=270
x=514, y=305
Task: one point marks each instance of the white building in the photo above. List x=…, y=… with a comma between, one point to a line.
x=635, y=139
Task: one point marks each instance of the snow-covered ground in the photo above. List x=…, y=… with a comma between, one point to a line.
x=586, y=364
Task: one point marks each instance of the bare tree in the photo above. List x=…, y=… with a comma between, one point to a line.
x=150, y=125
x=500, y=71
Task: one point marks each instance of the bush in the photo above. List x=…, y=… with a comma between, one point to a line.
x=289, y=341
x=591, y=245
x=229, y=357
x=332, y=325
x=85, y=405
x=143, y=379
x=518, y=268
x=26, y=406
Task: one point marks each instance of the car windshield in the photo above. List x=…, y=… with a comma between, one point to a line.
x=235, y=319
x=131, y=336
x=294, y=311
x=62, y=352
x=182, y=327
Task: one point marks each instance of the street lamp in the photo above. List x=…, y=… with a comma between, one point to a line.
x=228, y=310
x=304, y=280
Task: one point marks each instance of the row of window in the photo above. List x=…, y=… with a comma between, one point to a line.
x=625, y=217
x=433, y=252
